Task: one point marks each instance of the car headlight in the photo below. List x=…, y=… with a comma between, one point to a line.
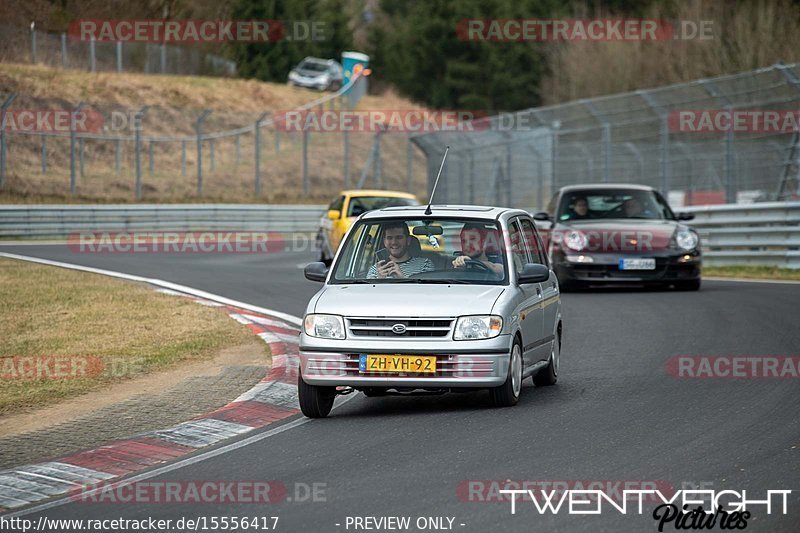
x=686, y=239
x=575, y=240
x=477, y=327
x=324, y=326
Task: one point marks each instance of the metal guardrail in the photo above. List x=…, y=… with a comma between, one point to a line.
x=59, y=221
x=749, y=234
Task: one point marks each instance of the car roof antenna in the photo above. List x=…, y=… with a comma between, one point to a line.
x=438, y=175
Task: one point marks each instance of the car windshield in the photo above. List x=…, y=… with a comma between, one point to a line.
x=613, y=203
x=314, y=66
x=362, y=204
x=431, y=251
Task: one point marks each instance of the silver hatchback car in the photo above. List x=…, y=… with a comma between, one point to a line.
x=452, y=298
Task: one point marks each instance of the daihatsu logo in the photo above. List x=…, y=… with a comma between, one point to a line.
x=399, y=329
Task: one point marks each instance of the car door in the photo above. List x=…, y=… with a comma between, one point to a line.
x=529, y=302
x=551, y=301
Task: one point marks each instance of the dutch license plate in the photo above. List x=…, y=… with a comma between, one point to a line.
x=637, y=264
x=412, y=364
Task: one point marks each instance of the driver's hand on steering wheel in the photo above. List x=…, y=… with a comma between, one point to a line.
x=460, y=261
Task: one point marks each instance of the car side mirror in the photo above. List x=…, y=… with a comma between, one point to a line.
x=316, y=271
x=334, y=214
x=542, y=216
x=685, y=216
x=534, y=273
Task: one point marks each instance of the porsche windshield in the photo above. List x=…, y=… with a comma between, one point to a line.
x=613, y=203
x=423, y=251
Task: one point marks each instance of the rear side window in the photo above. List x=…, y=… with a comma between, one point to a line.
x=532, y=242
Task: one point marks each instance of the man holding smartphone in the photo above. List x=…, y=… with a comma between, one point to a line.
x=397, y=263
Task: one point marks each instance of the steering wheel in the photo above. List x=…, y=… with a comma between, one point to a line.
x=478, y=265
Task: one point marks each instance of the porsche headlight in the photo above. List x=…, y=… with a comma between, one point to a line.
x=324, y=326
x=575, y=240
x=477, y=327
x=686, y=239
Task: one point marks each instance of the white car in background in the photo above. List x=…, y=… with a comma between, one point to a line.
x=316, y=73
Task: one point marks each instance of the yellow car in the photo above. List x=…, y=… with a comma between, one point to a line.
x=346, y=208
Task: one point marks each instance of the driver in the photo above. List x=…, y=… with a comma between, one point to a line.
x=633, y=208
x=473, y=246
x=400, y=263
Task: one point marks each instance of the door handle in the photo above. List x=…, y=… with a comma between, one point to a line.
x=538, y=291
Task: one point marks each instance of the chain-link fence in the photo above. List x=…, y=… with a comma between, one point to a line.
x=104, y=152
x=23, y=45
x=729, y=139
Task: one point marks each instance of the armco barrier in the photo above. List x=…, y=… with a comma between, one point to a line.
x=55, y=221
x=749, y=234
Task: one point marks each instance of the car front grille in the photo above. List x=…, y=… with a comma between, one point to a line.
x=400, y=328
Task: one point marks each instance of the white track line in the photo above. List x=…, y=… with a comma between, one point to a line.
x=753, y=280
x=202, y=456
x=161, y=283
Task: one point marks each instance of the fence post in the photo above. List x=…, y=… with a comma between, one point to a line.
x=163, y=58
x=72, y=179
x=238, y=150
x=509, y=174
x=92, y=58
x=3, y=153
x=471, y=177
x=151, y=162
x=730, y=170
x=665, y=170
x=119, y=56
x=305, y=160
x=33, y=43
x=257, y=140
x=81, y=142
x=64, y=50
x=277, y=141
x=198, y=127
x=378, y=161
x=137, y=130
x=117, y=153
x=44, y=154
x=183, y=158
x=409, y=162
x=346, y=169
x=554, y=145
x=211, y=153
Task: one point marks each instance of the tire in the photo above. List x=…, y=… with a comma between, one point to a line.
x=315, y=401
x=374, y=392
x=549, y=375
x=689, y=285
x=507, y=394
x=569, y=285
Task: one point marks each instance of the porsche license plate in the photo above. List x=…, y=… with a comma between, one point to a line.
x=637, y=264
x=412, y=364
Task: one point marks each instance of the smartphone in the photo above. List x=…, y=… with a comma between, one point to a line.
x=382, y=254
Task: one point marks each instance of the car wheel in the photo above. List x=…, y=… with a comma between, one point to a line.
x=549, y=374
x=568, y=285
x=689, y=285
x=373, y=392
x=507, y=394
x=315, y=401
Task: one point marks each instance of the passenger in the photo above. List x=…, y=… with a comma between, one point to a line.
x=474, y=240
x=400, y=263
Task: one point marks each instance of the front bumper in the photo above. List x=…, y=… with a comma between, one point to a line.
x=459, y=364
x=671, y=266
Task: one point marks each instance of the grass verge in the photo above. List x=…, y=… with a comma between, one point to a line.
x=753, y=272
x=66, y=333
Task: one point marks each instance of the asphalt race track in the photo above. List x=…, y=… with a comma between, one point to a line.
x=616, y=414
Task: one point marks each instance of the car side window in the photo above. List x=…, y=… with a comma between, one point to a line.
x=533, y=245
x=337, y=204
x=518, y=253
